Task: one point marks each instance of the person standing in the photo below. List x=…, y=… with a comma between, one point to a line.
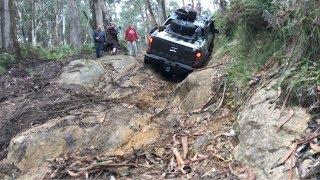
x=112, y=37
x=99, y=39
x=131, y=36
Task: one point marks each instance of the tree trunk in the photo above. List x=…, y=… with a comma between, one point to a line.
x=162, y=11
x=64, y=26
x=8, y=29
x=55, y=33
x=183, y=4
x=106, y=17
x=223, y=6
x=33, y=23
x=1, y=22
x=97, y=17
x=74, y=21
x=199, y=8
x=153, y=19
x=148, y=19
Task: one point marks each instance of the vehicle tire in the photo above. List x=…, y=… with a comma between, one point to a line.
x=183, y=27
x=211, y=47
x=146, y=60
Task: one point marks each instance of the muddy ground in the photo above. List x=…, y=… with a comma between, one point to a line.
x=22, y=92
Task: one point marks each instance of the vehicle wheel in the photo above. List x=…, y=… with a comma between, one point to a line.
x=211, y=47
x=146, y=60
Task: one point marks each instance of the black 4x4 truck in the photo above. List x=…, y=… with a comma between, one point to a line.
x=184, y=43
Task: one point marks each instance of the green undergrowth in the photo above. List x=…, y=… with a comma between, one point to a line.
x=55, y=53
x=255, y=32
x=5, y=61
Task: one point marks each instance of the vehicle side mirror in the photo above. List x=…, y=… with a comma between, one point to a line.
x=161, y=28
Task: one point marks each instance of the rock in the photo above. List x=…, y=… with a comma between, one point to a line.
x=121, y=64
x=82, y=72
x=195, y=91
x=101, y=128
x=260, y=146
x=203, y=141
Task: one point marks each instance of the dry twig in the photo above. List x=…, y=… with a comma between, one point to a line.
x=222, y=98
x=291, y=113
x=184, y=142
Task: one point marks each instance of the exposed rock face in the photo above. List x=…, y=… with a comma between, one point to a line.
x=261, y=146
x=196, y=90
x=101, y=129
x=115, y=123
x=82, y=72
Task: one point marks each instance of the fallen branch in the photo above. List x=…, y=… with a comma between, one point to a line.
x=309, y=139
x=222, y=99
x=184, y=142
x=286, y=157
x=179, y=159
x=294, y=148
x=291, y=113
x=210, y=102
x=284, y=104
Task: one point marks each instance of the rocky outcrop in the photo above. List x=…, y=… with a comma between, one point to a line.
x=101, y=129
x=196, y=90
x=260, y=143
x=82, y=72
x=114, y=123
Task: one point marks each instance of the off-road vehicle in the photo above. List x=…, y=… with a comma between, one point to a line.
x=183, y=44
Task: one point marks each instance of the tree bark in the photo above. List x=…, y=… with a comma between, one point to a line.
x=1, y=24
x=106, y=17
x=162, y=11
x=8, y=29
x=74, y=22
x=153, y=19
x=199, y=7
x=223, y=6
x=55, y=33
x=64, y=26
x=97, y=17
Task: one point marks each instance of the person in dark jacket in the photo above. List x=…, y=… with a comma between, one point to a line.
x=99, y=39
x=112, y=38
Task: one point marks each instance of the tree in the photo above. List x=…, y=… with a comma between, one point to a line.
x=162, y=11
x=183, y=4
x=153, y=19
x=55, y=33
x=8, y=29
x=222, y=5
x=74, y=22
x=100, y=14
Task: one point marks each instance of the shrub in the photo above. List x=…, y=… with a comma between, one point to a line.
x=5, y=61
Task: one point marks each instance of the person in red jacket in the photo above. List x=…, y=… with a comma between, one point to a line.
x=132, y=37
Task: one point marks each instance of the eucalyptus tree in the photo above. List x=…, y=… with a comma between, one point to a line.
x=8, y=28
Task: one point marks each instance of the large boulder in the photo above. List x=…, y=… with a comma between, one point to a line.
x=196, y=90
x=99, y=128
x=119, y=66
x=260, y=143
x=82, y=72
